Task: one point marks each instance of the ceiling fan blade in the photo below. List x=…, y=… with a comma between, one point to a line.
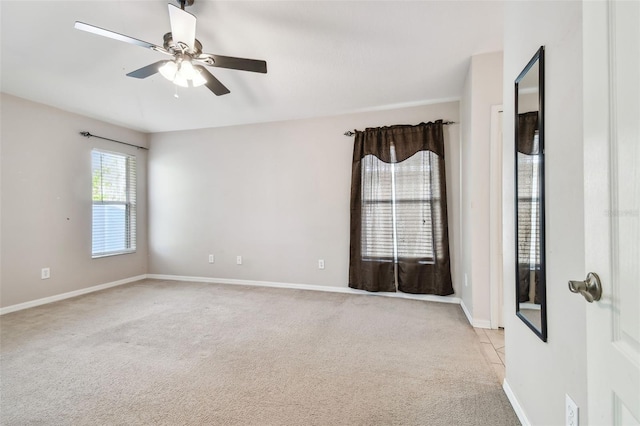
x=116, y=36
x=242, y=64
x=212, y=83
x=147, y=71
x=183, y=26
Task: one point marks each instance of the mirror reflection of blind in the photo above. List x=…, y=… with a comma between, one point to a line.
x=528, y=209
x=408, y=190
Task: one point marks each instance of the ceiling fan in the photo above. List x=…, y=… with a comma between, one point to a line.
x=185, y=68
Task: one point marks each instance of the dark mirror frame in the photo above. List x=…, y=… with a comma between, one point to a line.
x=541, y=329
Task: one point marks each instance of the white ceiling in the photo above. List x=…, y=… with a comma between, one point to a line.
x=324, y=57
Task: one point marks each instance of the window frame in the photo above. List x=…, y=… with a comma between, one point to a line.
x=428, y=200
x=129, y=204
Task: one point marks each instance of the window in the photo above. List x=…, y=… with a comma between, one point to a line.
x=399, y=239
x=398, y=206
x=114, y=203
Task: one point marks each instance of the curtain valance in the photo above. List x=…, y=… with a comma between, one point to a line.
x=407, y=139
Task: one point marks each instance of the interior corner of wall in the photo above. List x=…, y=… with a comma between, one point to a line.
x=466, y=311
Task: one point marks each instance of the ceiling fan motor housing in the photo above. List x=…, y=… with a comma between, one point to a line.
x=174, y=47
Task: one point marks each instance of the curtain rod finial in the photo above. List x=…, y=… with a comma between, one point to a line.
x=349, y=133
x=86, y=134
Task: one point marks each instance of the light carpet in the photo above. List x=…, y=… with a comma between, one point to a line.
x=176, y=353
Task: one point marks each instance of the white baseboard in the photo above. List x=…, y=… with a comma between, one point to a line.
x=515, y=404
x=426, y=297
x=482, y=324
x=466, y=312
x=58, y=297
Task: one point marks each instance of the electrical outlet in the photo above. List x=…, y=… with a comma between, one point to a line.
x=239, y=260
x=211, y=258
x=466, y=280
x=571, y=412
x=320, y=263
x=45, y=273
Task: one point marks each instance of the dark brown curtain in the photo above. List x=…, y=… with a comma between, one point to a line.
x=528, y=277
x=527, y=128
x=422, y=258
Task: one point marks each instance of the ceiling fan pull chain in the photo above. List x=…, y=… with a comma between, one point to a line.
x=175, y=95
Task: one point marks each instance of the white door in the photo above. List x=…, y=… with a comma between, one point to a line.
x=611, y=76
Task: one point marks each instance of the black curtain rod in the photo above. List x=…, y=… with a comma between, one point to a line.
x=89, y=135
x=351, y=133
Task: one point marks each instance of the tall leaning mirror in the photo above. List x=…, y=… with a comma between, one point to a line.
x=531, y=305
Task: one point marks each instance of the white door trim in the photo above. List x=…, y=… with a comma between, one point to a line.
x=495, y=219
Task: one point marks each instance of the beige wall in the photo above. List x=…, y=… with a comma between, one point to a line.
x=275, y=193
x=46, y=202
x=483, y=89
x=540, y=374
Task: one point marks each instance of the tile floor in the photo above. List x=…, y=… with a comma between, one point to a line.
x=492, y=342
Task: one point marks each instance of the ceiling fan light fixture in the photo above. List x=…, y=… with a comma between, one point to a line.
x=181, y=73
x=186, y=70
x=198, y=79
x=180, y=80
x=169, y=70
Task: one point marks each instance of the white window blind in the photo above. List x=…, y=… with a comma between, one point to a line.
x=528, y=210
x=114, y=203
x=398, y=202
